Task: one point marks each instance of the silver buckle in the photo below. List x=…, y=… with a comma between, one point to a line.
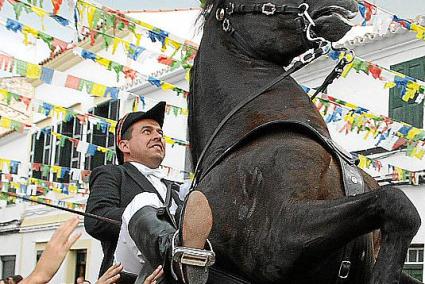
x=226, y=25
x=268, y=9
x=345, y=264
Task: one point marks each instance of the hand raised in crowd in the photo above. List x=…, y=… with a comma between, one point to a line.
x=54, y=254
x=151, y=279
x=111, y=275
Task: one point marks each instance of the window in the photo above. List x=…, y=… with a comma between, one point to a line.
x=97, y=137
x=400, y=110
x=414, y=264
x=66, y=155
x=7, y=265
x=38, y=255
x=41, y=150
x=81, y=262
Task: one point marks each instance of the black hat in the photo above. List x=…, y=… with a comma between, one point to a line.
x=156, y=113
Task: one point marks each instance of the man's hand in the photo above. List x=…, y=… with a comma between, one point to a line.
x=151, y=279
x=111, y=275
x=55, y=253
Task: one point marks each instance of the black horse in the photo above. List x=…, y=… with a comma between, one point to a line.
x=280, y=209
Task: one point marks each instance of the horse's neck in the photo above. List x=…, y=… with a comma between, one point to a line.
x=223, y=78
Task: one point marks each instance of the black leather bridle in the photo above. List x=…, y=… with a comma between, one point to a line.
x=225, y=13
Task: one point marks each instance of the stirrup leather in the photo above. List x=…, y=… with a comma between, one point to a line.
x=190, y=256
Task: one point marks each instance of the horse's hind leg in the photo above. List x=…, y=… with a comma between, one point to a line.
x=341, y=220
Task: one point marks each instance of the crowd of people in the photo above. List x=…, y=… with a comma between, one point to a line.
x=54, y=254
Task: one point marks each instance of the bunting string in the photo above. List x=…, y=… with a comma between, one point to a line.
x=8, y=196
x=412, y=90
x=381, y=19
x=54, y=44
x=135, y=51
x=396, y=174
x=20, y=6
x=388, y=134
x=34, y=186
x=66, y=114
x=128, y=71
x=115, y=19
x=57, y=78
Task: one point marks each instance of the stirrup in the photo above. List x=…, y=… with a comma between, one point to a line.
x=190, y=256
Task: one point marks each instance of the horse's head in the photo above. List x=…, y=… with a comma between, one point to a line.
x=275, y=33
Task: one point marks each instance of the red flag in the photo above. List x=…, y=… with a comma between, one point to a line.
x=56, y=6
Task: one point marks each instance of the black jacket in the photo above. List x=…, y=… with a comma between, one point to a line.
x=112, y=188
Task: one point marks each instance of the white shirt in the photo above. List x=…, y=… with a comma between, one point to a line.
x=127, y=252
x=154, y=176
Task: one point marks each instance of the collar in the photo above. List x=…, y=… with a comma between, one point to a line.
x=148, y=171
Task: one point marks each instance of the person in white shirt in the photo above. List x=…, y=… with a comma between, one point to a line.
x=149, y=223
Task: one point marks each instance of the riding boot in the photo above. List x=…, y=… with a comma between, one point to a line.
x=154, y=234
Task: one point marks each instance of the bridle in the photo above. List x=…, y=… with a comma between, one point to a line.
x=225, y=13
x=321, y=47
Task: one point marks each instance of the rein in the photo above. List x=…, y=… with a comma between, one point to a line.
x=323, y=47
x=89, y=215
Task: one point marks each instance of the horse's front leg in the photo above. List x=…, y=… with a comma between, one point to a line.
x=341, y=220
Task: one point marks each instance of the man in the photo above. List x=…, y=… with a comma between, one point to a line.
x=149, y=224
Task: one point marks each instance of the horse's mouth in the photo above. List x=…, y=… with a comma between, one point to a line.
x=344, y=14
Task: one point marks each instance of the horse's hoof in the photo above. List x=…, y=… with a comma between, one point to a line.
x=197, y=224
x=197, y=221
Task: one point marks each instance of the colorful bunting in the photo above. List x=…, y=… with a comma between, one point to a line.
x=412, y=90
x=381, y=19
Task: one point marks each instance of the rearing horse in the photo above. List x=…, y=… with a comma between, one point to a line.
x=281, y=212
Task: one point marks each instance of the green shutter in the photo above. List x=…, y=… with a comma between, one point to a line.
x=414, y=270
x=399, y=110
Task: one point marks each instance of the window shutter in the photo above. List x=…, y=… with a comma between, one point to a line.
x=400, y=110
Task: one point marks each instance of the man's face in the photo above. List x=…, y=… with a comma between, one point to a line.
x=146, y=145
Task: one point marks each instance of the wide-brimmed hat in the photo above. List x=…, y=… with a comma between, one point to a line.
x=156, y=113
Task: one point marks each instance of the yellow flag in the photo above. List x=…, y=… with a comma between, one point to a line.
x=347, y=70
x=33, y=71
x=167, y=86
x=98, y=90
x=362, y=162
x=115, y=43
x=419, y=153
x=5, y=122
x=90, y=15
x=103, y=61
x=412, y=133
x=420, y=31
x=390, y=85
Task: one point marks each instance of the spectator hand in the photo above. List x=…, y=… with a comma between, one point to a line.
x=151, y=279
x=55, y=253
x=111, y=275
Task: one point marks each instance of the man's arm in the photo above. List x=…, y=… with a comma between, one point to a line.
x=104, y=200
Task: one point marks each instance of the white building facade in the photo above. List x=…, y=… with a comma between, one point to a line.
x=26, y=228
